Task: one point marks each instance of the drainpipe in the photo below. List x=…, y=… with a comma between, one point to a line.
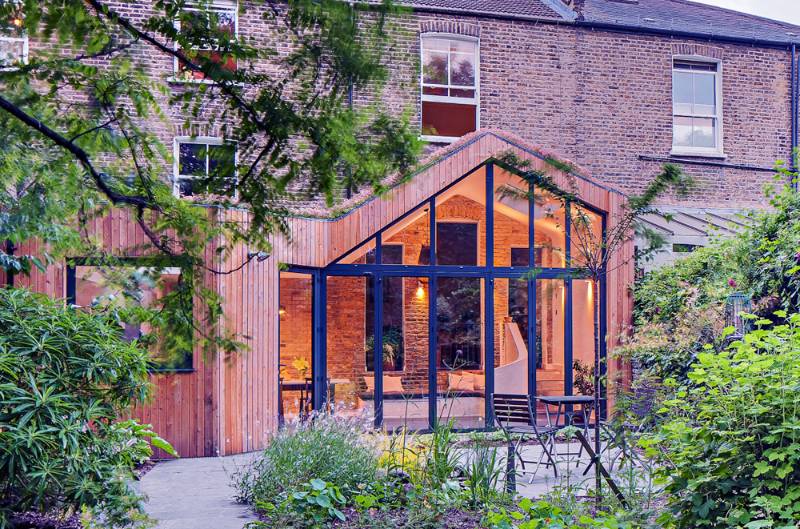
x=795, y=106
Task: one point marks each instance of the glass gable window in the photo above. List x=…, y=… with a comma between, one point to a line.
x=696, y=108
x=449, y=87
x=204, y=166
x=413, y=337
x=222, y=20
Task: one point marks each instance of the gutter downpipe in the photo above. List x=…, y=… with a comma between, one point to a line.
x=795, y=109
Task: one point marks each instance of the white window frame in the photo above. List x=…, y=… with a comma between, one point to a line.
x=196, y=140
x=213, y=5
x=708, y=152
x=24, y=41
x=476, y=100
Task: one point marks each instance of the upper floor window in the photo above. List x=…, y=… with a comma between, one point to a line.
x=204, y=166
x=220, y=16
x=696, y=108
x=449, y=87
x=13, y=43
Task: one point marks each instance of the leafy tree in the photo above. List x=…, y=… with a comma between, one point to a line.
x=80, y=121
x=66, y=377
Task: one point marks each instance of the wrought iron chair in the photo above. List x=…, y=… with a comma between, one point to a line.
x=516, y=417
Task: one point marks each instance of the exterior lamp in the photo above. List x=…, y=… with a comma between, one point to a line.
x=420, y=293
x=281, y=310
x=736, y=305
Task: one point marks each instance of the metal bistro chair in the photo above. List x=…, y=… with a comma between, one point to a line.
x=516, y=417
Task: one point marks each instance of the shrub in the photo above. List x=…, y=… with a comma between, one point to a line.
x=542, y=514
x=731, y=449
x=65, y=378
x=326, y=448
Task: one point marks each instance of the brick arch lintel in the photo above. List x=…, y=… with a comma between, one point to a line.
x=698, y=50
x=451, y=27
x=198, y=129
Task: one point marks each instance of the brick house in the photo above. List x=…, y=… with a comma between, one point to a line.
x=433, y=277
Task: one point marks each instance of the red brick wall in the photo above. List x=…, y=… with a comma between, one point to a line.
x=603, y=99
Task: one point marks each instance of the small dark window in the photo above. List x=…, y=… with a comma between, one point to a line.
x=205, y=168
x=457, y=243
x=684, y=248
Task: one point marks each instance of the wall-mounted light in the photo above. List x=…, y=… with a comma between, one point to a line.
x=281, y=310
x=420, y=293
x=259, y=256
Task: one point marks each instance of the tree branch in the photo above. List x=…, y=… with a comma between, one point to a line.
x=82, y=156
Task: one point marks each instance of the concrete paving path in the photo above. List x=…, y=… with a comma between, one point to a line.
x=195, y=493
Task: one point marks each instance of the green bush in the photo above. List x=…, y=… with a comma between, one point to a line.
x=730, y=453
x=326, y=448
x=542, y=514
x=65, y=379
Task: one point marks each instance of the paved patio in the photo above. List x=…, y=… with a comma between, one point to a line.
x=195, y=493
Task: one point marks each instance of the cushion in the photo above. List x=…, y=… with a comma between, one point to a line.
x=370, y=382
x=461, y=381
x=393, y=385
x=390, y=384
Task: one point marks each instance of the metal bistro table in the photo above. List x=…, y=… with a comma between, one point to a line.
x=566, y=415
x=565, y=409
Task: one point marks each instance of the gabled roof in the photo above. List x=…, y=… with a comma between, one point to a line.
x=539, y=9
x=476, y=146
x=680, y=16
x=686, y=16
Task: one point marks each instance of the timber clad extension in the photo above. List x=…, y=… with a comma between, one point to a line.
x=591, y=81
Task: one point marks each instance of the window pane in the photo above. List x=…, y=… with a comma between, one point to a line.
x=434, y=67
x=460, y=222
x=429, y=43
x=583, y=342
x=586, y=236
x=192, y=159
x=462, y=92
x=222, y=161
x=434, y=90
x=462, y=46
x=704, y=132
x=348, y=338
x=511, y=218
x=462, y=69
x=447, y=119
x=364, y=254
x=550, y=324
x=226, y=22
x=412, y=234
x=704, y=94
x=12, y=51
x=128, y=287
x=456, y=243
x=295, y=315
x=549, y=229
x=682, y=92
x=511, y=336
x=459, y=350
x=405, y=394
x=682, y=132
